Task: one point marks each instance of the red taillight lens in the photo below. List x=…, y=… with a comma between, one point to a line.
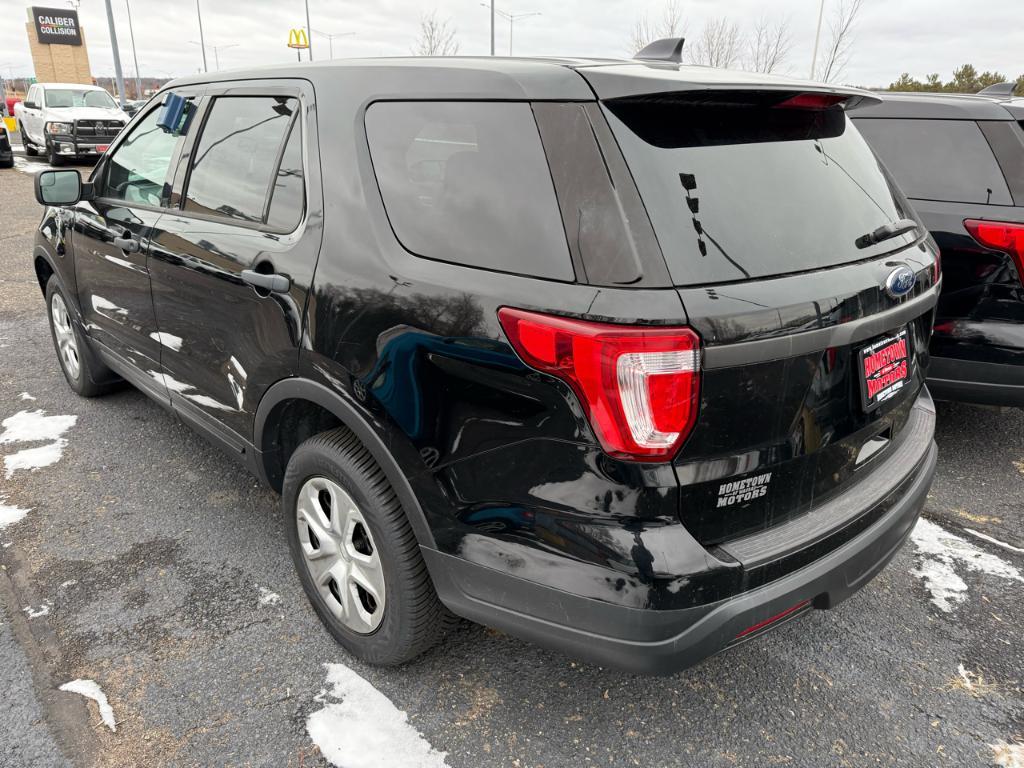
x=639, y=385
x=1002, y=236
x=811, y=101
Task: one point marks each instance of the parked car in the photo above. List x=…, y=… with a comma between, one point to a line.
x=624, y=358
x=6, y=153
x=68, y=121
x=960, y=160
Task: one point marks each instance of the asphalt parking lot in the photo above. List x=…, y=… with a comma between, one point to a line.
x=133, y=555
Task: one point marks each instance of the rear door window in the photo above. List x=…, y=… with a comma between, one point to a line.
x=468, y=183
x=288, y=197
x=235, y=160
x=947, y=160
x=740, y=189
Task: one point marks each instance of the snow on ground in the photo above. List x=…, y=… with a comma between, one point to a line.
x=269, y=598
x=91, y=690
x=9, y=515
x=26, y=396
x=942, y=553
x=35, y=427
x=1008, y=755
x=359, y=727
x=35, y=613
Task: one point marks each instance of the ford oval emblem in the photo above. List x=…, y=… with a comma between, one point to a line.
x=900, y=282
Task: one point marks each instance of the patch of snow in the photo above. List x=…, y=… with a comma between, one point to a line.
x=91, y=690
x=997, y=542
x=35, y=613
x=269, y=598
x=35, y=458
x=966, y=675
x=10, y=515
x=361, y=728
x=1008, y=755
x=35, y=427
x=26, y=396
x=942, y=553
x=68, y=583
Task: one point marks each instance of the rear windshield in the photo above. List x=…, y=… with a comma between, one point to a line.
x=738, y=188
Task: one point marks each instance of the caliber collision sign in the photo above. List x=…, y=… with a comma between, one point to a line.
x=57, y=26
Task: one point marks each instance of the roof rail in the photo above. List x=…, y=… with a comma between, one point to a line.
x=999, y=90
x=665, y=49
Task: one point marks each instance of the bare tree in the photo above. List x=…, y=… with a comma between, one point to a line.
x=670, y=24
x=836, y=55
x=769, y=45
x=719, y=44
x=437, y=38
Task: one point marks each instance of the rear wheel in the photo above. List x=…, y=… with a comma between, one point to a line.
x=356, y=555
x=84, y=372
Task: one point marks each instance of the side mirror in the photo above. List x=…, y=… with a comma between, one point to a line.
x=31, y=105
x=58, y=187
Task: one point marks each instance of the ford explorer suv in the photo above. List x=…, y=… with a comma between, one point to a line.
x=960, y=160
x=626, y=358
x=68, y=121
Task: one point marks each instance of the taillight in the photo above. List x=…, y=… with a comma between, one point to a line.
x=639, y=385
x=812, y=100
x=1000, y=236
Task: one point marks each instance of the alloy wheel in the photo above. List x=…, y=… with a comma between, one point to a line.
x=67, y=343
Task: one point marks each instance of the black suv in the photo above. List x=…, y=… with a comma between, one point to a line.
x=626, y=358
x=960, y=160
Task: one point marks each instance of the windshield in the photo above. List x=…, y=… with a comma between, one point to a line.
x=745, y=190
x=67, y=97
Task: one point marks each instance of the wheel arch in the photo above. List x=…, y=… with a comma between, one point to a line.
x=304, y=393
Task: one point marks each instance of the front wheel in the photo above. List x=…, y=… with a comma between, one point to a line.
x=52, y=157
x=30, y=148
x=86, y=375
x=356, y=554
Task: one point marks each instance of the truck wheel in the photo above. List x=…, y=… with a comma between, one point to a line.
x=356, y=554
x=30, y=148
x=52, y=157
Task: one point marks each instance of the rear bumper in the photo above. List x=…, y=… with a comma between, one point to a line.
x=971, y=381
x=665, y=641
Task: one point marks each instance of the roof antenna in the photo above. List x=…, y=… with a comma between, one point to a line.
x=666, y=49
x=998, y=91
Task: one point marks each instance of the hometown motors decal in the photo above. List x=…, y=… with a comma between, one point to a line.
x=742, y=491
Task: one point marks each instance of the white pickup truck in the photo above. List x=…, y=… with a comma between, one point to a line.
x=68, y=120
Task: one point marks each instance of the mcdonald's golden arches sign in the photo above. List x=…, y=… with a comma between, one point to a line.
x=297, y=39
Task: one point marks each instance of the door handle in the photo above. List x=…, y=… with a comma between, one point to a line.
x=127, y=244
x=272, y=283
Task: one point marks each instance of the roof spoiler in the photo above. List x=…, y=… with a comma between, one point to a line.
x=998, y=91
x=666, y=49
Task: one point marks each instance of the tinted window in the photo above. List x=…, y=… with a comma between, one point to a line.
x=288, y=198
x=137, y=169
x=739, y=190
x=234, y=163
x=468, y=183
x=938, y=159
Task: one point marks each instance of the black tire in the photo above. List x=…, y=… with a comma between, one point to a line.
x=7, y=163
x=414, y=618
x=30, y=148
x=52, y=157
x=93, y=377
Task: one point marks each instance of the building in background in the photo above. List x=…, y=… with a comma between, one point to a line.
x=58, y=46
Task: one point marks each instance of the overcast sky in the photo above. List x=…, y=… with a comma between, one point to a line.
x=892, y=36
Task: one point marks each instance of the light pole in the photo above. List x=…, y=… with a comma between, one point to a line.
x=512, y=19
x=135, y=56
x=817, y=39
x=330, y=38
x=216, y=51
x=202, y=40
x=309, y=29
x=117, y=54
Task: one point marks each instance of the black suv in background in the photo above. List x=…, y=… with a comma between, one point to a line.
x=626, y=358
x=960, y=160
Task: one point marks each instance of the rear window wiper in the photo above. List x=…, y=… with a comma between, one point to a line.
x=886, y=232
